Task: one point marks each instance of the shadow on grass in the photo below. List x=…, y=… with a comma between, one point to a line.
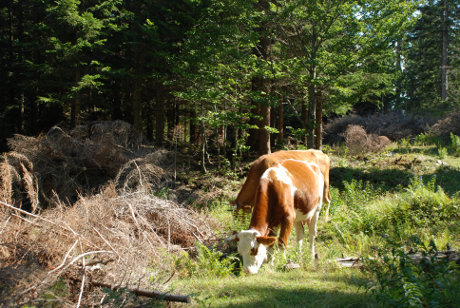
x=394, y=179
x=386, y=180
x=276, y=296
x=448, y=178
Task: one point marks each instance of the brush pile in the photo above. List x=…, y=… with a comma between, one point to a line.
x=106, y=239
x=359, y=141
x=78, y=211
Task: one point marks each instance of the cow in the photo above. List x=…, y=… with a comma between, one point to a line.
x=246, y=197
x=288, y=194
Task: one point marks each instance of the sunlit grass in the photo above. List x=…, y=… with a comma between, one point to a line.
x=299, y=288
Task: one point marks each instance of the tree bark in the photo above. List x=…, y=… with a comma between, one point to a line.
x=261, y=85
x=311, y=118
x=280, y=124
x=159, y=115
x=75, y=108
x=319, y=122
x=445, y=45
x=21, y=27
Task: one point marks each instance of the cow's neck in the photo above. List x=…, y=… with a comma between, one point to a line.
x=260, y=215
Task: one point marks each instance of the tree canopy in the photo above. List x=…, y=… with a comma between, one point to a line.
x=239, y=73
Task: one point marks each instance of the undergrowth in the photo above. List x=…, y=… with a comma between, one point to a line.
x=405, y=281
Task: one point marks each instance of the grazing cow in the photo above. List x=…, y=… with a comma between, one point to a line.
x=288, y=194
x=246, y=197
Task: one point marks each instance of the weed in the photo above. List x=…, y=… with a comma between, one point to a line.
x=442, y=152
x=455, y=140
x=405, y=281
x=209, y=262
x=421, y=139
x=403, y=144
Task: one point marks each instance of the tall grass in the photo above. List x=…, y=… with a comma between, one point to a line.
x=362, y=216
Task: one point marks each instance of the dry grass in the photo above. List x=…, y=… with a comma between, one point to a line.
x=358, y=141
x=392, y=125
x=106, y=238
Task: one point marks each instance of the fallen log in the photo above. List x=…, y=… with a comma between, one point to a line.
x=147, y=293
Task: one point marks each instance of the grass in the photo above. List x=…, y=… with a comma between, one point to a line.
x=401, y=194
x=338, y=288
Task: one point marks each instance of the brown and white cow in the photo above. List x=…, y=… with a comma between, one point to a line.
x=246, y=197
x=288, y=194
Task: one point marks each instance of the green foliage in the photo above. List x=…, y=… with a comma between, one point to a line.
x=208, y=263
x=403, y=281
x=118, y=298
x=442, y=152
x=360, y=209
x=455, y=143
x=52, y=295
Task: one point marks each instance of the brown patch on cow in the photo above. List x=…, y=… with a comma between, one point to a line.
x=247, y=194
x=275, y=205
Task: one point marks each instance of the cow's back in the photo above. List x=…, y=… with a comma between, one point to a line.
x=246, y=195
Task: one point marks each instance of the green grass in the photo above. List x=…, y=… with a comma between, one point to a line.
x=380, y=202
x=337, y=288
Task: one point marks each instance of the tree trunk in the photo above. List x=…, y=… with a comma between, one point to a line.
x=398, y=82
x=280, y=124
x=311, y=118
x=137, y=109
x=194, y=132
x=171, y=118
x=159, y=115
x=319, y=122
x=264, y=134
x=260, y=140
x=445, y=45
x=21, y=27
x=75, y=108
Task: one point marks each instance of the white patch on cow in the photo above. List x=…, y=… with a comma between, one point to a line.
x=247, y=245
x=281, y=174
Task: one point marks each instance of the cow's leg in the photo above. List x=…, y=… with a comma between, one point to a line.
x=300, y=234
x=286, y=228
x=312, y=232
x=326, y=197
x=270, y=250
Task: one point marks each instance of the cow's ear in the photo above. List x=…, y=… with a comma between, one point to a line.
x=266, y=240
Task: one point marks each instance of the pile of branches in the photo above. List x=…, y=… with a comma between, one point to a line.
x=447, y=125
x=63, y=165
x=394, y=125
x=358, y=141
x=105, y=240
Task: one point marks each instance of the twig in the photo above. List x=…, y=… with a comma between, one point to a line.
x=83, y=279
x=81, y=256
x=65, y=258
x=108, y=244
x=148, y=293
x=33, y=215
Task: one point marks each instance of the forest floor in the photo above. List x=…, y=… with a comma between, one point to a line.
x=170, y=237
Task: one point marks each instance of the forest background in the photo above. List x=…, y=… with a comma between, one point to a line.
x=226, y=75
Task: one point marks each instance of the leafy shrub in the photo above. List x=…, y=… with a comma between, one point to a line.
x=442, y=152
x=405, y=281
x=455, y=144
x=361, y=209
x=208, y=262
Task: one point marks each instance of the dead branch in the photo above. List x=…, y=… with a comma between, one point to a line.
x=148, y=293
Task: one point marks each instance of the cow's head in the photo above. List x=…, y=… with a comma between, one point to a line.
x=253, y=249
